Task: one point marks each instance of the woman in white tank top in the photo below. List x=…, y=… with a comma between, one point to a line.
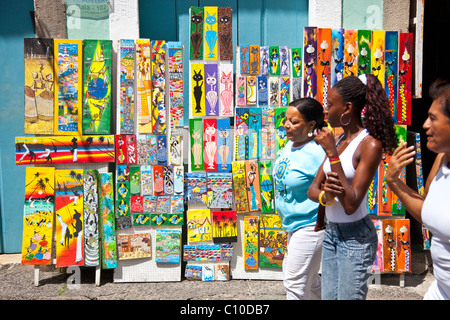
x=341, y=184
x=432, y=209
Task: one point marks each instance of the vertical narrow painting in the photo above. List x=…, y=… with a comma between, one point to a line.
x=91, y=218
x=251, y=237
x=274, y=91
x=240, y=186
x=296, y=61
x=337, y=55
x=196, y=137
x=241, y=91
x=97, y=86
x=168, y=246
x=272, y=241
x=68, y=86
x=364, y=51
x=263, y=94
x=176, y=86
x=310, y=62
x=267, y=133
x=389, y=245
x=254, y=132
x=323, y=64
x=241, y=133
x=224, y=226
x=378, y=262
x=198, y=89
x=398, y=208
x=244, y=56
x=281, y=140
x=372, y=196
x=144, y=85
x=266, y=186
x=384, y=192
x=224, y=144
x=284, y=61
x=126, y=83
x=403, y=232
x=210, y=144
x=274, y=58
x=285, y=91
x=391, y=72
x=134, y=246
x=39, y=85
x=253, y=187
x=377, y=59
x=404, y=78
x=254, y=59
x=251, y=90
x=211, y=33
x=69, y=218
x=225, y=16
x=196, y=33
x=108, y=227
x=38, y=216
x=226, y=90
x=264, y=59
x=211, y=89
x=199, y=225
x=350, y=52
x=158, y=108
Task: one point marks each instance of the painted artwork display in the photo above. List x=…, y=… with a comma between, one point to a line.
x=251, y=236
x=254, y=132
x=377, y=59
x=196, y=136
x=39, y=85
x=211, y=90
x=284, y=61
x=403, y=232
x=225, y=17
x=310, y=62
x=240, y=186
x=364, y=51
x=241, y=91
x=224, y=144
x=108, y=227
x=323, y=64
x=69, y=218
x=97, y=86
x=274, y=58
x=266, y=186
x=158, y=108
x=176, y=86
x=254, y=57
x=211, y=33
x=134, y=246
x=196, y=188
x=241, y=134
x=350, y=52
x=196, y=33
x=144, y=85
x=126, y=83
x=244, y=55
x=251, y=90
x=68, y=86
x=168, y=246
x=272, y=241
x=378, y=262
x=281, y=140
x=38, y=211
x=91, y=218
x=391, y=72
x=389, y=245
x=253, y=187
x=263, y=93
x=384, y=192
x=198, y=89
x=224, y=226
x=210, y=144
x=264, y=60
x=64, y=149
x=285, y=91
x=199, y=225
x=405, y=54
x=226, y=89
x=220, y=190
x=337, y=55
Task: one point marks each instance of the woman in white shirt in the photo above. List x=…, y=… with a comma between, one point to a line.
x=432, y=209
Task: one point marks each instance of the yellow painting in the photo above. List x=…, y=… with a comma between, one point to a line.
x=199, y=225
x=378, y=37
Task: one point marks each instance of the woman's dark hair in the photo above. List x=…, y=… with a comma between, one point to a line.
x=311, y=109
x=373, y=104
x=440, y=90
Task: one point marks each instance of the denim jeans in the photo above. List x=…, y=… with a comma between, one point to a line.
x=349, y=250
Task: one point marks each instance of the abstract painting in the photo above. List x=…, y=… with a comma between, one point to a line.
x=144, y=85
x=404, y=78
x=158, y=108
x=91, y=218
x=126, y=107
x=266, y=186
x=108, y=227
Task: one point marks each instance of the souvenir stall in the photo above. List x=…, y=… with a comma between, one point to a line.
x=128, y=185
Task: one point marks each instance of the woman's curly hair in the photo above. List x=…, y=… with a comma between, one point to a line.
x=373, y=104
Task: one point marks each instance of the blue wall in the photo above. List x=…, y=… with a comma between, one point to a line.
x=15, y=24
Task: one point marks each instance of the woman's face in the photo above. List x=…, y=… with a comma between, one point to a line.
x=437, y=128
x=297, y=127
x=334, y=108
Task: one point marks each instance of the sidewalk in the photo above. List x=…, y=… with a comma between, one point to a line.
x=17, y=283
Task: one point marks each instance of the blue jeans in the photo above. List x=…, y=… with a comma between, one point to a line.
x=349, y=250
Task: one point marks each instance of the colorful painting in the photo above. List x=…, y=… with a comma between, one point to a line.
x=284, y=61
x=158, y=180
x=272, y=241
x=126, y=84
x=121, y=149
x=378, y=47
x=168, y=246
x=199, y=225
x=225, y=15
x=196, y=188
x=168, y=179
x=281, y=140
x=364, y=51
x=226, y=90
x=323, y=64
x=254, y=131
x=108, y=228
x=211, y=89
x=267, y=150
x=220, y=189
x=64, y=149
x=158, y=86
x=135, y=181
x=222, y=272
x=378, y=262
x=241, y=133
x=196, y=136
x=91, y=218
x=224, y=226
x=196, y=33
x=274, y=58
x=176, y=150
x=224, y=145
x=251, y=240
x=405, y=56
x=131, y=145
x=211, y=26
x=240, y=186
x=310, y=62
x=141, y=219
x=264, y=60
x=39, y=81
x=266, y=186
x=397, y=208
x=198, y=89
x=68, y=86
x=241, y=91
x=161, y=151
x=207, y=273
x=134, y=246
x=263, y=94
x=372, y=196
x=254, y=59
x=391, y=70
x=244, y=55
x=144, y=85
x=252, y=91
x=350, y=52
x=69, y=218
x=337, y=55
x=389, y=245
x=193, y=272
x=38, y=216
x=146, y=149
x=178, y=180
x=403, y=232
x=384, y=192
x=253, y=187
x=274, y=91
x=285, y=92
x=176, y=86
x=296, y=61
x=97, y=86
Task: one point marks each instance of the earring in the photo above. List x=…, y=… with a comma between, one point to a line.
x=310, y=134
x=344, y=124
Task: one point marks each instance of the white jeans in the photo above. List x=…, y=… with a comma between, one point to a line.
x=301, y=264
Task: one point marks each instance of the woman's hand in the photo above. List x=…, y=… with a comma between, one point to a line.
x=401, y=157
x=332, y=186
x=326, y=139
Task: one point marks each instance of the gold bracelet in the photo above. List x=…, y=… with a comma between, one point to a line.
x=321, y=201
